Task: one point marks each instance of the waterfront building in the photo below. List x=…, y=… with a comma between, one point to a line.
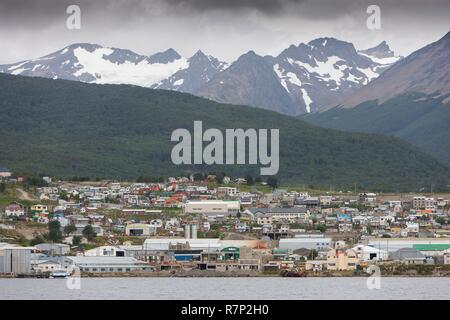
x=110, y=264
x=316, y=242
x=15, y=260
x=342, y=260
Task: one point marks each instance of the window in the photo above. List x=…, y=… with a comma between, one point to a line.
x=94, y=269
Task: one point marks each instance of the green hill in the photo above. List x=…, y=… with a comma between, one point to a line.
x=69, y=129
x=422, y=120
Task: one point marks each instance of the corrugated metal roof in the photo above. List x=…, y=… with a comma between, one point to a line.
x=431, y=247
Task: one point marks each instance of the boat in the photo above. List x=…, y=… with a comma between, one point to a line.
x=59, y=274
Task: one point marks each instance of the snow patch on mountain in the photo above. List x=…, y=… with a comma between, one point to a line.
x=307, y=100
x=142, y=73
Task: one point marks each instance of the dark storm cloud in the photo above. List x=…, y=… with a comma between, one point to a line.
x=224, y=28
x=264, y=6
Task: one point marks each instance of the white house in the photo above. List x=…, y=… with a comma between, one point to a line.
x=5, y=173
x=15, y=210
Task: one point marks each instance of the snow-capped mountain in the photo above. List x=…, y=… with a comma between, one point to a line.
x=96, y=64
x=249, y=81
x=201, y=69
x=424, y=71
x=311, y=75
x=301, y=79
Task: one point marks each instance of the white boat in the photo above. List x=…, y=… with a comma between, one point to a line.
x=59, y=274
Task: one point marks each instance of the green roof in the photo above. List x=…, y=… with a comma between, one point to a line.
x=431, y=247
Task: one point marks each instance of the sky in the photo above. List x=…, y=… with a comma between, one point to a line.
x=223, y=28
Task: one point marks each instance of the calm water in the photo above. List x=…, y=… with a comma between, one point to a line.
x=226, y=288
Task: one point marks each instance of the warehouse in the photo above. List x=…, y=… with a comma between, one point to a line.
x=212, y=207
x=140, y=229
x=394, y=244
x=16, y=260
x=316, y=242
x=110, y=264
x=53, y=249
x=164, y=244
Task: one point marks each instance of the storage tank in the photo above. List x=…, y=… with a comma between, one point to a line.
x=193, y=231
x=187, y=231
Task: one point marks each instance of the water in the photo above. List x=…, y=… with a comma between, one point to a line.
x=226, y=288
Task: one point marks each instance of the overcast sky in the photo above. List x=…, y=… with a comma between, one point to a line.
x=222, y=28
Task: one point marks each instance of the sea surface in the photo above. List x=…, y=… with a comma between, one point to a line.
x=225, y=288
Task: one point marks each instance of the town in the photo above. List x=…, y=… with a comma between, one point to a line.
x=215, y=225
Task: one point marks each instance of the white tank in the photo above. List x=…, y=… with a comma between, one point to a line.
x=187, y=234
x=193, y=231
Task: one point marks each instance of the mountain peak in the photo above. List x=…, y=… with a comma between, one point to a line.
x=447, y=36
x=199, y=55
x=380, y=51
x=167, y=56
x=328, y=41
x=84, y=45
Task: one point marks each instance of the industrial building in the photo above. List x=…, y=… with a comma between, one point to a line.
x=394, y=244
x=164, y=244
x=212, y=207
x=140, y=229
x=15, y=260
x=311, y=242
x=297, y=214
x=110, y=264
x=53, y=249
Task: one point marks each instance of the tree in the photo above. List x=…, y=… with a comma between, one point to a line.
x=250, y=180
x=313, y=254
x=76, y=240
x=89, y=233
x=37, y=240
x=272, y=182
x=54, y=231
x=199, y=177
x=2, y=187
x=37, y=182
x=440, y=220
x=321, y=227
x=70, y=229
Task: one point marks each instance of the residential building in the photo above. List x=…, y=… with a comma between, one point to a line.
x=341, y=260
x=15, y=210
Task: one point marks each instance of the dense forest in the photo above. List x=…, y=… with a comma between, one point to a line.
x=70, y=129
